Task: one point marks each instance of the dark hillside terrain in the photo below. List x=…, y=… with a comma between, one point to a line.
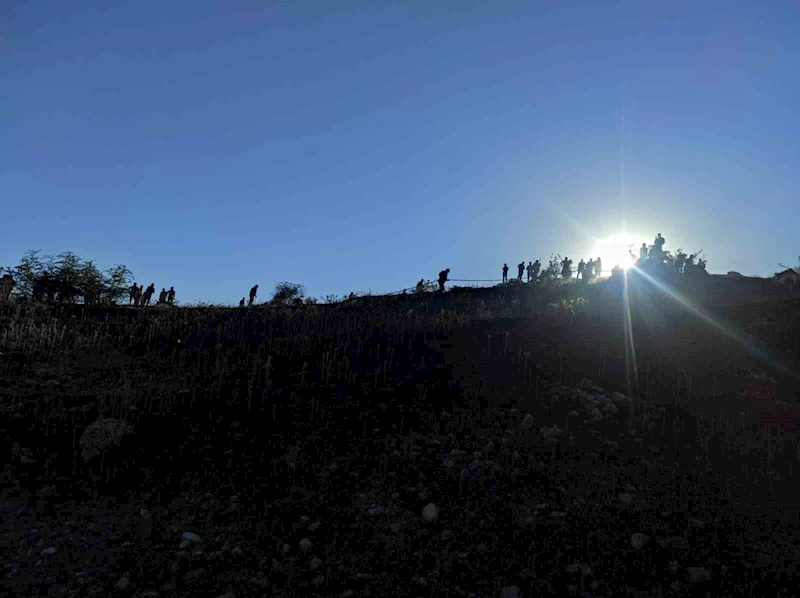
x=435, y=445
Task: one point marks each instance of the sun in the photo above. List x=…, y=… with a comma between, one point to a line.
x=616, y=250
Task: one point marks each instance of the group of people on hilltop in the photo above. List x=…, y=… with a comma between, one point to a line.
x=141, y=297
x=532, y=270
x=586, y=270
x=655, y=256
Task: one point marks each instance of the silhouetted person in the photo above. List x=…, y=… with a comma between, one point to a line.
x=171, y=295
x=253, y=292
x=598, y=268
x=148, y=293
x=162, y=296
x=505, y=272
x=643, y=252
x=530, y=271
x=443, y=278
x=566, y=268
x=659, y=242
x=588, y=270
x=680, y=261
x=520, y=271
x=139, y=295
x=420, y=286
x=241, y=303
x=581, y=268
x=536, y=266
x=134, y=290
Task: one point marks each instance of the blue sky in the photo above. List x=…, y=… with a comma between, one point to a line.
x=364, y=145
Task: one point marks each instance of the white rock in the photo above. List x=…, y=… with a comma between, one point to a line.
x=510, y=592
x=638, y=540
x=315, y=564
x=596, y=415
x=304, y=519
x=314, y=526
x=305, y=544
x=698, y=574
x=489, y=446
x=625, y=498
x=527, y=424
x=51, y=550
x=448, y=463
x=190, y=537
x=430, y=512
x=286, y=549
x=123, y=584
x=318, y=580
x=447, y=534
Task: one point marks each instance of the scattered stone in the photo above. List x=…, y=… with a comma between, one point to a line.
x=318, y=580
x=448, y=463
x=527, y=423
x=638, y=540
x=625, y=498
x=314, y=526
x=489, y=447
x=374, y=510
x=558, y=514
x=102, y=435
x=305, y=544
x=395, y=527
x=194, y=576
x=447, y=534
x=190, y=537
x=510, y=592
x=315, y=564
x=430, y=513
x=698, y=574
x=51, y=550
x=286, y=549
x=123, y=584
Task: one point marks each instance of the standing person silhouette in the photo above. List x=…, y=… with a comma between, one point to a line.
x=530, y=271
x=253, y=292
x=505, y=272
x=171, y=295
x=443, y=278
x=598, y=268
x=520, y=270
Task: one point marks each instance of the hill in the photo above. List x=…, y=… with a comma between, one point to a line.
x=604, y=438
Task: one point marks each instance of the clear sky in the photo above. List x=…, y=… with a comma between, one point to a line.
x=354, y=146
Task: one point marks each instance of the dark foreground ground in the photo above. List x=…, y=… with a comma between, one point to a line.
x=405, y=452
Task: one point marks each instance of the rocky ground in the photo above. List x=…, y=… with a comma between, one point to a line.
x=583, y=496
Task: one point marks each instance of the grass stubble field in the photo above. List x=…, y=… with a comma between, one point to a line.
x=493, y=442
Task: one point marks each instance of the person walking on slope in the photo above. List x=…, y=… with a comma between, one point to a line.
x=443, y=278
x=530, y=270
x=253, y=292
x=581, y=268
x=598, y=268
x=171, y=296
x=520, y=270
x=505, y=272
x=566, y=268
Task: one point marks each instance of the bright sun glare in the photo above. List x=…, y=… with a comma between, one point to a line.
x=614, y=250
